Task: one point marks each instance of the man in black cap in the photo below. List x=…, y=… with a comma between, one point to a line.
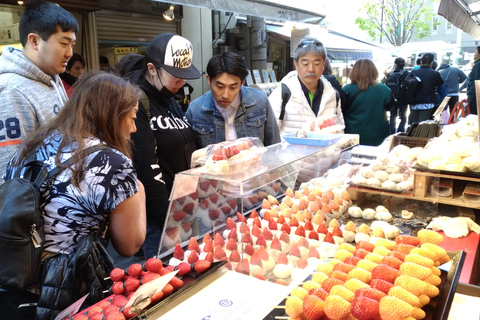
x=394, y=81
x=164, y=141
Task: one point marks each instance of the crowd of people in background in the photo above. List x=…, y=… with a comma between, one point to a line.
x=50, y=109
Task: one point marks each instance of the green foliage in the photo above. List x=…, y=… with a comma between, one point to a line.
x=397, y=20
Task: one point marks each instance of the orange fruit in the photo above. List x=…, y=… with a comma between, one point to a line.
x=337, y=308
x=392, y=308
x=313, y=307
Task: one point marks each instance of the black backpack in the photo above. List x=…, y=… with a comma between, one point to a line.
x=394, y=82
x=411, y=89
x=22, y=235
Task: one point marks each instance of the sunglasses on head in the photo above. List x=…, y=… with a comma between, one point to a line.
x=306, y=43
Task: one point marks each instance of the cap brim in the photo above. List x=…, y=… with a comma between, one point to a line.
x=183, y=73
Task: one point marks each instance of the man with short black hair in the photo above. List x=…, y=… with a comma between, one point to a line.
x=474, y=75
x=430, y=81
x=394, y=81
x=31, y=92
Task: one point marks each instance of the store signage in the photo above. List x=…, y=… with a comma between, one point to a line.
x=9, y=34
x=126, y=50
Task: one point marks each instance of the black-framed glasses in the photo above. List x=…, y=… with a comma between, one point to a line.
x=306, y=43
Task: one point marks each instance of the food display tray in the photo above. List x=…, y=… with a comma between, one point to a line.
x=453, y=173
x=314, y=139
x=438, y=308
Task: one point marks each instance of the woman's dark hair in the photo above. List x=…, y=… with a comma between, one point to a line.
x=96, y=108
x=228, y=62
x=75, y=57
x=327, y=68
x=44, y=19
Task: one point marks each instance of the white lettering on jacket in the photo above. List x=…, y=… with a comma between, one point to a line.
x=167, y=123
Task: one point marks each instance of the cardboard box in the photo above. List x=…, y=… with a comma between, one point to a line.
x=471, y=194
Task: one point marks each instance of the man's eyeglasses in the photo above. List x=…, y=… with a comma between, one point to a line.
x=306, y=43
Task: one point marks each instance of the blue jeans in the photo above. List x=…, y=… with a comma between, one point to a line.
x=152, y=240
x=401, y=111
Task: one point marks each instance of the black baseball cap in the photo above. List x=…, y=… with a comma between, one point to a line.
x=173, y=53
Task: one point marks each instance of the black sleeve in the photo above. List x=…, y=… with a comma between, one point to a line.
x=148, y=170
x=389, y=106
x=334, y=82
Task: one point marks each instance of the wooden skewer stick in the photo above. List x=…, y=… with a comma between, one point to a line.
x=278, y=307
x=280, y=317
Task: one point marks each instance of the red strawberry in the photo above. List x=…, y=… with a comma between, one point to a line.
x=397, y=254
x=168, y=268
x=226, y=210
x=167, y=290
x=247, y=238
x=285, y=228
x=313, y=253
x=313, y=235
x=328, y=283
x=234, y=256
x=178, y=252
x=281, y=220
x=218, y=240
x=94, y=309
x=231, y=224
x=403, y=248
x=371, y=293
x=231, y=245
x=385, y=272
x=302, y=263
x=282, y=259
x=276, y=244
x=203, y=204
x=183, y=268
x=254, y=213
x=322, y=228
x=272, y=224
x=337, y=232
x=214, y=214
x=255, y=259
x=381, y=285
x=193, y=257
x=300, y=231
x=178, y=216
x=261, y=241
x=104, y=303
x=134, y=270
x=232, y=203
x=263, y=253
x=303, y=242
x=257, y=222
x=218, y=155
x=188, y=208
x=241, y=218
x=112, y=308
x=218, y=253
x=249, y=249
x=243, y=267
x=233, y=235
x=244, y=227
x=85, y=317
x=352, y=260
x=360, y=253
x=186, y=226
x=176, y=283
x=153, y=265
x=294, y=251
x=132, y=284
x=284, y=237
x=365, y=245
x=172, y=232
x=208, y=247
x=363, y=308
x=294, y=222
x=328, y=238
x=117, y=287
x=214, y=198
x=260, y=277
x=114, y=315
x=201, y=266
x=227, y=150
x=392, y=262
x=267, y=234
x=117, y=274
x=313, y=307
x=411, y=240
x=193, y=245
x=209, y=257
x=319, y=292
x=126, y=311
x=344, y=267
x=308, y=225
x=204, y=185
x=194, y=195
x=214, y=183
x=267, y=215
x=256, y=231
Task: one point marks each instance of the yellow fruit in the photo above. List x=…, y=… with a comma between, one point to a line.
x=360, y=274
x=366, y=265
x=378, y=232
x=319, y=277
x=347, y=246
x=433, y=280
x=430, y=290
x=343, y=292
x=415, y=270
x=374, y=257
x=299, y=292
x=418, y=259
x=424, y=300
x=443, y=259
x=342, y=255
x=425, y=253
x=404, y=295
x=337, y=308
x=411, y=284
x=354, y=284
x=325, y=267
x=294, y=307
x=350, y=226
x=381, y=250
x=436, y=271
x=309, y=285
x=363, y=228
x=392, y=308
x=429, y=236
x=389, y=244
x=418, y=313
x=334, y=261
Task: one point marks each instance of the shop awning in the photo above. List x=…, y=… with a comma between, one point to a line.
x=463, y=14
x=256, y=8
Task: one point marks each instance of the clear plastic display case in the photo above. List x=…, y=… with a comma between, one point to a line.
x=201, y=201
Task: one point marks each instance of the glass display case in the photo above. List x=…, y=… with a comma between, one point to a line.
x=202, y=201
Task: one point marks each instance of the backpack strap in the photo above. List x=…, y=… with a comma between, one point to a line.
x=286, y=94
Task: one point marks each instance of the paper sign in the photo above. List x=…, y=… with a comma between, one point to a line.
x=72, y=309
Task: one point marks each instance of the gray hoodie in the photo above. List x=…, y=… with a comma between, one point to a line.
x=28, y=99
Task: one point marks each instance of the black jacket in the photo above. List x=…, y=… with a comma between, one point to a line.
x=431, y=79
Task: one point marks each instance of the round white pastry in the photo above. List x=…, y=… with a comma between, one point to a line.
x=368, y=214
x=283, y=271
x=355, y=212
